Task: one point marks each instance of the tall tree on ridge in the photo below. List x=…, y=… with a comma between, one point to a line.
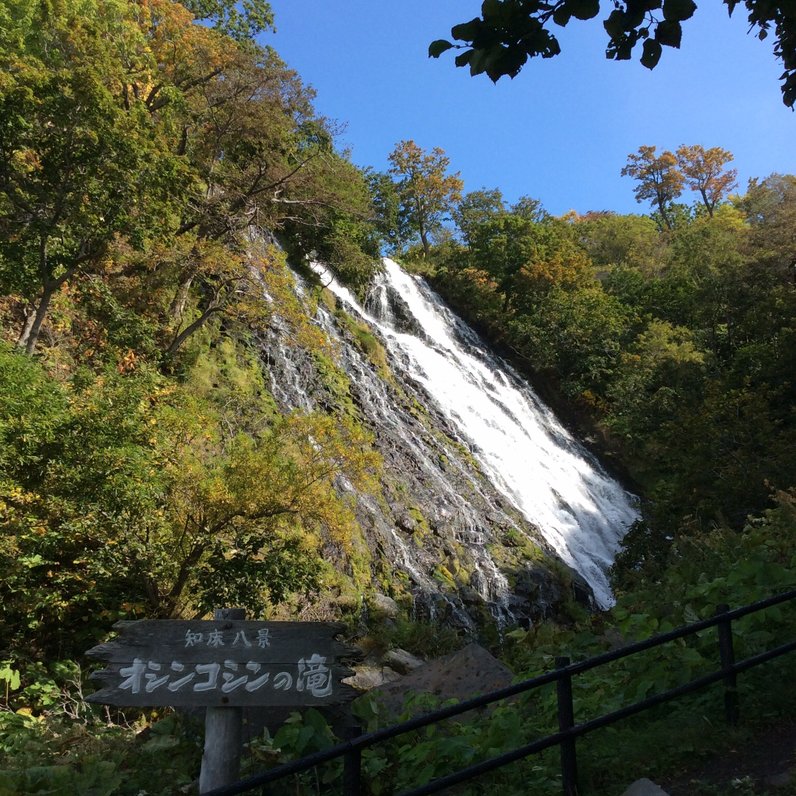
x=703, y=170
x=426, y=191
x=477, y=207
x=659, y=180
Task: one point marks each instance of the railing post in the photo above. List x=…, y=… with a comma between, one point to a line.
x=566, y=720
x=352, y=766
x=727, y=653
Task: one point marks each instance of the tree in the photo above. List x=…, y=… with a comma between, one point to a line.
x=475, y=208
x=769, y=206
x=621, y=240
x=386, y=208
x=128, y=126
x=240, y=21
x=530, y=208
x=527, y=259
x=80, y=163
x=658, y=177
x=509, y=32
x=502, y=247
x=130, y=495
x=703, y=171
x=426, y=191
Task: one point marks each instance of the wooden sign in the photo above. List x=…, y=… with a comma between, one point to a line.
x=227, y=663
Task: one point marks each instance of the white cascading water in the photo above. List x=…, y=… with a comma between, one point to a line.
x=530, y=457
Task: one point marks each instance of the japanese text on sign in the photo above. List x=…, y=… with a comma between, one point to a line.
x=311, y=676
x=216, y=638
x=223, y=662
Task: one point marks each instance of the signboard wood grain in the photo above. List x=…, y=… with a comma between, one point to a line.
x=223, y=663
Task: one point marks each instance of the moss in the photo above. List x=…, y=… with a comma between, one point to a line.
x=336, y=383
x=229, y=376
x=363, y=338
x=422, y=528
x=360, y=560
x=375, y=352
x=328, y=299
x=444, y=576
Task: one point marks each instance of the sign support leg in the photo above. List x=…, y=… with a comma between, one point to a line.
x=223, y=734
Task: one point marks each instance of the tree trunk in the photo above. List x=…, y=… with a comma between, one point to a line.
x=708, y=205
x=180, y=300
x=191, y=328
x=30, y=334
x=25, y=333
x=665, y=215
x=424, y=241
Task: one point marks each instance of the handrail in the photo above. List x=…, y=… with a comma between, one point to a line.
x=485, y=766
x=354, y=746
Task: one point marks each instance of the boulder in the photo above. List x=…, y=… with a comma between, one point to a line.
x=383, y=606
x=644, y=787
x=460, y=675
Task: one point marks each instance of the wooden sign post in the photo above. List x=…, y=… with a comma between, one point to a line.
x=223, y=734
x=223, y=665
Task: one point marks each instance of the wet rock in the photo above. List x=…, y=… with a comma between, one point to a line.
x=539, y=588
x=406, y=522
x=581, y=590
x=386, y=302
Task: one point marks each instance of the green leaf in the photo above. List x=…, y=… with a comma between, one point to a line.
x=479, y=61
x=464, y=58
x=652, y=53
x=11, y=676
x=512, y=62
x=615, y=23
x=669, y=33
x=678, y=10
x=436, y=48
x=562, y=15
x=584, y=9
x=467, y=31
x=491, y=8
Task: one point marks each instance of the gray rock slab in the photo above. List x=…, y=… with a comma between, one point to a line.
x=644, y=787
x=460, y=675
x=369, y=677
x=402, y=661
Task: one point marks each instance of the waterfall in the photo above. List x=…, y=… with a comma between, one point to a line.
x=530, y=458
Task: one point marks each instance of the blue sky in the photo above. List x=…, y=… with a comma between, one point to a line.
x=562, y=130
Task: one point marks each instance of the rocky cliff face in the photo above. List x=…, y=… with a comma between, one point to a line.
x=441, y=536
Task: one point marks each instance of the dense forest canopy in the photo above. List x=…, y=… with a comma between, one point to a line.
x=157, y=175
x=147, y=166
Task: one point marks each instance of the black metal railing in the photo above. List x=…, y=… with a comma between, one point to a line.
x=569, y=731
